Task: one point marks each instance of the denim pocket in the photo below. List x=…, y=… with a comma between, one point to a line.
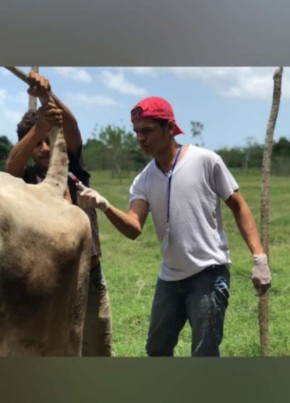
x=222, y=290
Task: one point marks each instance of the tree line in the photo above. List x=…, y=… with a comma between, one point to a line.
x=251, y=156
x=115, y=148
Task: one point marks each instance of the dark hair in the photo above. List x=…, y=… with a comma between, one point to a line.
x=162, y=122
x=27, y=122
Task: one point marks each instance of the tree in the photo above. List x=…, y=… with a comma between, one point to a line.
x=196, y=129
x=95, y=155
x=113, y=138
x=250, y=142
x=233, y=157
x=134, y=153
x=281, y=157
x=5, y=147
x=281, y=148
x=114, y=148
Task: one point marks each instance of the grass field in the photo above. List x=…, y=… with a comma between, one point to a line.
x=131, y=269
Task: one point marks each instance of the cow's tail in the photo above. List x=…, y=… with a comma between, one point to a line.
x=57, y=173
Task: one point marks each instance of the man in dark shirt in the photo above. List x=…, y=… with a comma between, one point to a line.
x=34, y=144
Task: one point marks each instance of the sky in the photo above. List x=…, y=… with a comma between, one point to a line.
x=233, y=103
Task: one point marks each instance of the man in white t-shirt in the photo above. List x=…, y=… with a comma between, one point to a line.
x=182, y=187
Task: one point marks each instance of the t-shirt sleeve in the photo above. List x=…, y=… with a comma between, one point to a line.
x=224, y=182
x=138, y=188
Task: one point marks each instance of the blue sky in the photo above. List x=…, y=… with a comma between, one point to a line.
x=233, y=103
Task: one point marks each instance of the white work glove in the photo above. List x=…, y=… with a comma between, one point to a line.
x=89, y=198
x=261, y=275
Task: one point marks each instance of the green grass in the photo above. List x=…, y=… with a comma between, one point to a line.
x=131, y=269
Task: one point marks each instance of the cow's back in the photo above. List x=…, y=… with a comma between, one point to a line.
x=44, y=261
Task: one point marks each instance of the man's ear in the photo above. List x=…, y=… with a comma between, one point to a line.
x=171, y=127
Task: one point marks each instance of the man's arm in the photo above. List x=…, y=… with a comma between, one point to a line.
x=261, y=275
x=40, y=87
x=48, y=115
x=129, y=224
x=245, y=222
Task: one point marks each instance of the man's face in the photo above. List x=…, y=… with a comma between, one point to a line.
x=41, y=154
x=151, y=136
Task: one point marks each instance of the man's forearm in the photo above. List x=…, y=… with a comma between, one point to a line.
x=248, y=229
x=129, y=224
x=70, y=126
x=21, y=152
x=125, y=223
x=261, y=275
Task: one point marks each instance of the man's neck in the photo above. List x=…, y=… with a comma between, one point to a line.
x=165, y=160
x=40, y=170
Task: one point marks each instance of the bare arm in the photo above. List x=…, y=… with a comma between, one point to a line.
x=245, y=222
x=131, y=223
x=48, y=116
x=261, y=275
x=21, y=152
x=39, y=87
x=70, y=127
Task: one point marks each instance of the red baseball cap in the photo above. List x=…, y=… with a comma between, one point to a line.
x=155, y=108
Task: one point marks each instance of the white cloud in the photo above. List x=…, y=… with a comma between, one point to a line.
x=250, y=87
x=118, y=82
x=4, y=72
x=90, y=99
x=236, y=82
x=208, y=73
x=21, y=98
x=3, y=95
x=74, y=73
x=9, y=117
x=141, y=71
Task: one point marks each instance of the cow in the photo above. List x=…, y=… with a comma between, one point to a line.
x=45, y=245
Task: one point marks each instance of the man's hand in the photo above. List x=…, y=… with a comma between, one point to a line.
x=48, y=115
x=261, y=275
x=89, y=198
x=39, y=85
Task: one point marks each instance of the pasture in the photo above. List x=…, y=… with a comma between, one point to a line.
x=131, y=269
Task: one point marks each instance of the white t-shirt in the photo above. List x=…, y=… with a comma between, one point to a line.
x=197, y=240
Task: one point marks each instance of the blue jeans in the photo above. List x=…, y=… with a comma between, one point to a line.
x=202, y=299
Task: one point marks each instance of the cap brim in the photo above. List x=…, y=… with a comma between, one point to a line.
x=177, y=130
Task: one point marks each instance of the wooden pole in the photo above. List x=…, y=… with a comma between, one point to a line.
x=32, y=101
x=24, y=77
x=266, y=172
